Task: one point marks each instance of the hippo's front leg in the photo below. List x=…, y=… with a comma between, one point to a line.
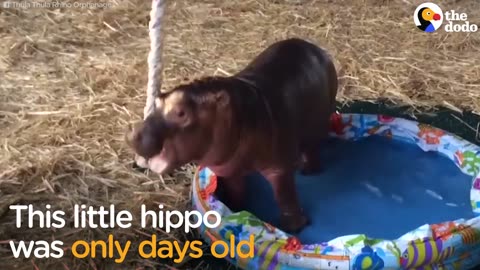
x=292, y=218
x=231, y=191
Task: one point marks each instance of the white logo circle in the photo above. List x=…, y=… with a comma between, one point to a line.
x=433, y=22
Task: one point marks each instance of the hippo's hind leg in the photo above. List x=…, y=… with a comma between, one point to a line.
x=311, y=162
x=310, y=159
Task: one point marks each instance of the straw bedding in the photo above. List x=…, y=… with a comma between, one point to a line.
x=73, y=79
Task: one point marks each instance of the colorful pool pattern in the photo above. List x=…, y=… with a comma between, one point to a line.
x=450, y=245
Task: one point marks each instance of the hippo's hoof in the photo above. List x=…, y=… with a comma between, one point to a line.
x=310, y=168
x=294, y=224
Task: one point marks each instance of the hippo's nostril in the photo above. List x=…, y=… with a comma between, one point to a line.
x=146, y=143
x=146, y=137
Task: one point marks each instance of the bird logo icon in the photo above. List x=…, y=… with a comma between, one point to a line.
x=428, y=17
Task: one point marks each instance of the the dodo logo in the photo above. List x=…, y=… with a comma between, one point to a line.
x=428, y=17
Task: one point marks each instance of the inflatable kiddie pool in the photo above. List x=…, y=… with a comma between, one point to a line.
x=453, y=187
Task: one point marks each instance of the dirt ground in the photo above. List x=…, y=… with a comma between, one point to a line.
x=73, y=79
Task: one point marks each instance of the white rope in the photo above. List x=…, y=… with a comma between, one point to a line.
x=154, y=63
x=155, y=56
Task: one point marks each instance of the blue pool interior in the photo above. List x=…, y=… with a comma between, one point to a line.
x=374, y=186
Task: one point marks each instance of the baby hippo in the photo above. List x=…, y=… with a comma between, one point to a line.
x=271, y=118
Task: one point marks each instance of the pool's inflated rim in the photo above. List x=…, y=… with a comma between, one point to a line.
x=450, y=244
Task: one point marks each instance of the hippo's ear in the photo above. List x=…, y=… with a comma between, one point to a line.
x=222, y=98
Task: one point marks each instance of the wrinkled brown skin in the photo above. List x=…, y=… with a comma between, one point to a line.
x=271, y=117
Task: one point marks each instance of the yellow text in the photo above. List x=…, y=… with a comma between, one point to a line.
x=108, y=249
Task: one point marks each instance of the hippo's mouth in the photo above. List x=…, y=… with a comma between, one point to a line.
x=160, y=163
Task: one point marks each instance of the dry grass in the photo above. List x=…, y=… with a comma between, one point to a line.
x=71, y=80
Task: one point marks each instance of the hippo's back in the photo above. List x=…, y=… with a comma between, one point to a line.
x=299, y=81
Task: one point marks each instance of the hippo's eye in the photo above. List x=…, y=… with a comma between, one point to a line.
x=181, y=113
